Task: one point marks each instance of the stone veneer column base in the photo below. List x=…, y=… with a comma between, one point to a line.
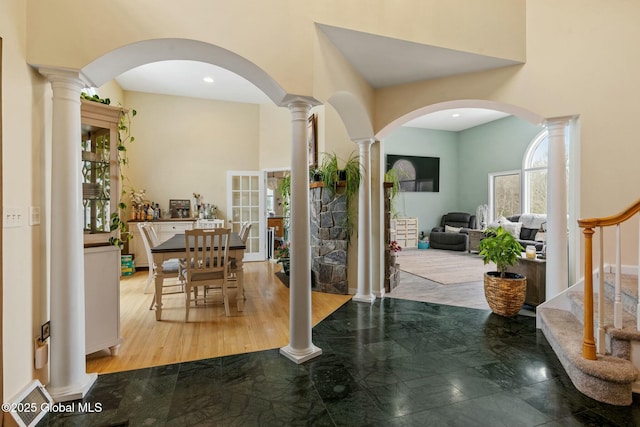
x=328, y=241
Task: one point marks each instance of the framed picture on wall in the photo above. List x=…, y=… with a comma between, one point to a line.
x=180, y=208
x=312, y=137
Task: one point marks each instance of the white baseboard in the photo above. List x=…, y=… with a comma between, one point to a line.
x=624, y=269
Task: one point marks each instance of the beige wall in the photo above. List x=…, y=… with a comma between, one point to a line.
x=25, y=103
x=276, y=35
x=275, y=137
x=489, y=27
x=113, y=91
x=187, y=145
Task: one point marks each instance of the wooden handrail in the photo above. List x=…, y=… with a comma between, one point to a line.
x=610, y=220
x=588, y=226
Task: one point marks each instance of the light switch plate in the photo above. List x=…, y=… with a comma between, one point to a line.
x=34, y=215
x=13, y=217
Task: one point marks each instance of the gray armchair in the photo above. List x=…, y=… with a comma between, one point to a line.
x=441, y=239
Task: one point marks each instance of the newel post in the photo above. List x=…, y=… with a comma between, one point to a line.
x=588, y=342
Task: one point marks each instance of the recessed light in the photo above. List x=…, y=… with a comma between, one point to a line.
x=208, y=79
x=455, y=115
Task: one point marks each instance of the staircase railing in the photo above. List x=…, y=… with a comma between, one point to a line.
x=588, y=226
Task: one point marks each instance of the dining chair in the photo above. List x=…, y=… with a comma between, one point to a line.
x=207, y=267
x=244, y=231
x=233, y=276
x=209, y=223
x=169, y=266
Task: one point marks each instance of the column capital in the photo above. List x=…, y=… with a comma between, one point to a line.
x=553, y=123
x=67, y=75
x=296, y=102
x=66, y=84
x=365, y=141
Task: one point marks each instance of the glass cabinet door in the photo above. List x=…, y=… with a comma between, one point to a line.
x=96, y=179
x=100, y=187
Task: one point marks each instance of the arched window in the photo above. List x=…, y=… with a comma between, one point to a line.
x=510, y=190
x=534, y=167
x=504, y=194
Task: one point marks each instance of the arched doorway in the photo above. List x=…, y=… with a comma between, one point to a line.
x=68, y=377
x=567, y=126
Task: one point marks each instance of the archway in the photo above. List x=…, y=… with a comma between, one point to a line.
x=514, y=110
x=116, y=62
x=71, y=380
x=565, y=128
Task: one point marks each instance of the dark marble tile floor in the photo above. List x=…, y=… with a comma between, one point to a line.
x=393, y=363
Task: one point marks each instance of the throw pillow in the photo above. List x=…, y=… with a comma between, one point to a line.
x=498, y=222
x=450, y=229
x=528, y=233
x=513, y=227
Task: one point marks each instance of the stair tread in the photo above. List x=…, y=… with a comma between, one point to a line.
x=628, y=282
x=568, y=333
x=628, y=331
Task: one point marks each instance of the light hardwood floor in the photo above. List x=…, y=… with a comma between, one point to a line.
x=264, y=323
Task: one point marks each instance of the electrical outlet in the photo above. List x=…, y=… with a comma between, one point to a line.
x=34, y=215
x=13, y=217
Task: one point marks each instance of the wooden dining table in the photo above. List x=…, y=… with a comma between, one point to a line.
x=175, y=247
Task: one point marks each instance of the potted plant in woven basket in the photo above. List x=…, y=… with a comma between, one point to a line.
x=505, y=292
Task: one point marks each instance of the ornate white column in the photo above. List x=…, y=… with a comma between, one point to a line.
x=300, y=348
x=68, y=377
x=364, y=293
x=557, y=249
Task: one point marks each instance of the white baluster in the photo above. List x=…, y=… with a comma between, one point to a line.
x=617, y=308
x=601, y=301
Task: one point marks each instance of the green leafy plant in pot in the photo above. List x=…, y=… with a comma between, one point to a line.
x=345, y=179
x=392, y=176
x=505, y=291
x=284, y=187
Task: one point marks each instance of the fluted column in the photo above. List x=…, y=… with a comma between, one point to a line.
x=300, y=348
x=364, y=293
x=68, y=377
x=557, y=260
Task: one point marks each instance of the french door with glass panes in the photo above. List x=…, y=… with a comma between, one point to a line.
x=245, y=202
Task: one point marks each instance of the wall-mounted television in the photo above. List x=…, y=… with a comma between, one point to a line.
x=416, y=173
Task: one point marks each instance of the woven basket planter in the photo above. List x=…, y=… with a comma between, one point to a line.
x=505, y=295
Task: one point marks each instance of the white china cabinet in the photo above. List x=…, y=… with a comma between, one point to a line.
x=100, y=196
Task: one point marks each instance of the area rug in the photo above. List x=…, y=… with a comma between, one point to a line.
x=442, y=266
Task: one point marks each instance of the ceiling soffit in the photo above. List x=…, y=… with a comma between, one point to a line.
x=385, y=61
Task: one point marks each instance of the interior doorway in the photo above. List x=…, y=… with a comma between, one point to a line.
x=277, y=211
x=244, y=205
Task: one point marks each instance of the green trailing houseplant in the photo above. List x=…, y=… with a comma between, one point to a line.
x=344, y=180
x=284, y=187
x=124, y=138
x=392, y=176
x=117, y=222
